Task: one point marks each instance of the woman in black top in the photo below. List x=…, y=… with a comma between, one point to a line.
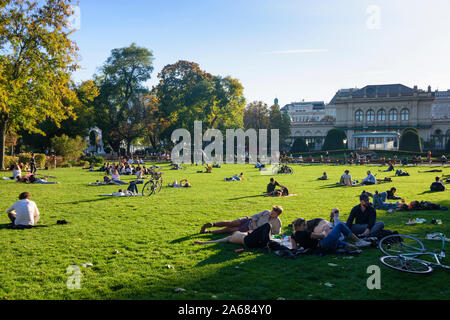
x=306, y=239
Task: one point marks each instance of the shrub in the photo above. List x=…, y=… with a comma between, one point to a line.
x=299, y=146
x=334, y=140
x=95, y=160
x=447, y=148
x=24, y=158
x=410, y=141
x=10, y=161
x=84, y=164
x=66, y=165
x=41, y=160
x=69, y=148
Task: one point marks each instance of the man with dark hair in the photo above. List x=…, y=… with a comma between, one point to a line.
x=364, y=217
x=437, y=185
x=24, y=212
x=272, y=186
x=246, y=224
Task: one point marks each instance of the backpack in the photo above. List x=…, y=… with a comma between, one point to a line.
x=380, y=234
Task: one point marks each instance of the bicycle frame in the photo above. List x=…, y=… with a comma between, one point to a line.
x=415, y=255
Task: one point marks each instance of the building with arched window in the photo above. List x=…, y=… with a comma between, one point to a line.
x=375, y=116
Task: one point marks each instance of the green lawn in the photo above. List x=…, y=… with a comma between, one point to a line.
x=152, y=233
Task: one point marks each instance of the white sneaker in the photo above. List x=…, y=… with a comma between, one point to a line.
x=362, y=243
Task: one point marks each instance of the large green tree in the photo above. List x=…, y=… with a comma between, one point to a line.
x=36, y=61
x=257, y=116
x=281, y=121
x=118, y=108
x=187, y=94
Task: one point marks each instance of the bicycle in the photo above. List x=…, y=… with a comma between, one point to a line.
x=403, y=253
x=154, y=184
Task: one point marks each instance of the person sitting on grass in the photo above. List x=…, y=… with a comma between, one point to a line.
x=260, y=238
x=271, y=188
x=24, y=212
x=379, y=202
x=437, y=185
x=115, y=177
x=324, y=177
x=346, y=179
x=17, y=172
x=323, y=242
x=208, y=168
x=391, y=168
x=246, y=224
x=363, y=218
x=369, y=180
x=183, y=184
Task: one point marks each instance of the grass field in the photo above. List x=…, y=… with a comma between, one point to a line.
x=132, y=241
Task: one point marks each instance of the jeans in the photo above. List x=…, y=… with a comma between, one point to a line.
x=132, y=187
x=360, y=228
x=331, y=242
x=379, y=202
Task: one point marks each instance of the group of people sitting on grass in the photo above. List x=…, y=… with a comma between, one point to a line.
x=316, y=235
x=273, y=191
x=346, y=179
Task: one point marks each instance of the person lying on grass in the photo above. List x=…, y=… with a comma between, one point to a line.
x=235, y=177
x=24, y=212
x=437, y=185
x=31, y=178
x=324, y=177
x=183, y=184
x=401, y=173
x=246, y=224
x=260, y=238
x=422, y=205
x=323, y=242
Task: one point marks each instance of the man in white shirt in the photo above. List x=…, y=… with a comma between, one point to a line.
x=24, y=212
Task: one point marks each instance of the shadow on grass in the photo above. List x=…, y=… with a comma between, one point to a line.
x=329, y=186
x=186, y=238
x=246, y=197
x=86, y=201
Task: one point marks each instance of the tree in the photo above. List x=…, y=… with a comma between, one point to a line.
x=36, y=60
x=187, y=94
x=69, y=148
x=154, y=122
x=118, y=108
x=78, y=124
x=447, y=148
x=299, y=146
x=257, y=116
x=334, y=140
x=281, y=121
x=410, y=140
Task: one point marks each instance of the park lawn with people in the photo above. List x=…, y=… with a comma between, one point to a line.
x=143, y=247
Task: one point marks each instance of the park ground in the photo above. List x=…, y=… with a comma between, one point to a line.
x=143, y=247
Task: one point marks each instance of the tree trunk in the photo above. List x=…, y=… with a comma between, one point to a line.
x=2, y=143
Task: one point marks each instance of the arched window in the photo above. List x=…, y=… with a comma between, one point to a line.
x=381, y=115
x=404, y=115
x=393, y=115
x=359, y=116
x=370, y=115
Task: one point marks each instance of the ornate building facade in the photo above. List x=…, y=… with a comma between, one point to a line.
x=373, y=117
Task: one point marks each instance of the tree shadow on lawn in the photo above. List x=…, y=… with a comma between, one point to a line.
x=429, y=191
x=186, y=238
x=246, y=197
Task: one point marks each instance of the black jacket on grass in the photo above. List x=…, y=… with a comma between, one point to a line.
x=369, y=216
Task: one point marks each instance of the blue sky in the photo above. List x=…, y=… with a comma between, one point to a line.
x=290, y=49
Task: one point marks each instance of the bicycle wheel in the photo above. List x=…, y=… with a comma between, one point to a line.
x=158, y=185
x=406, y=265
x=149, y=188
x=394, y=245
